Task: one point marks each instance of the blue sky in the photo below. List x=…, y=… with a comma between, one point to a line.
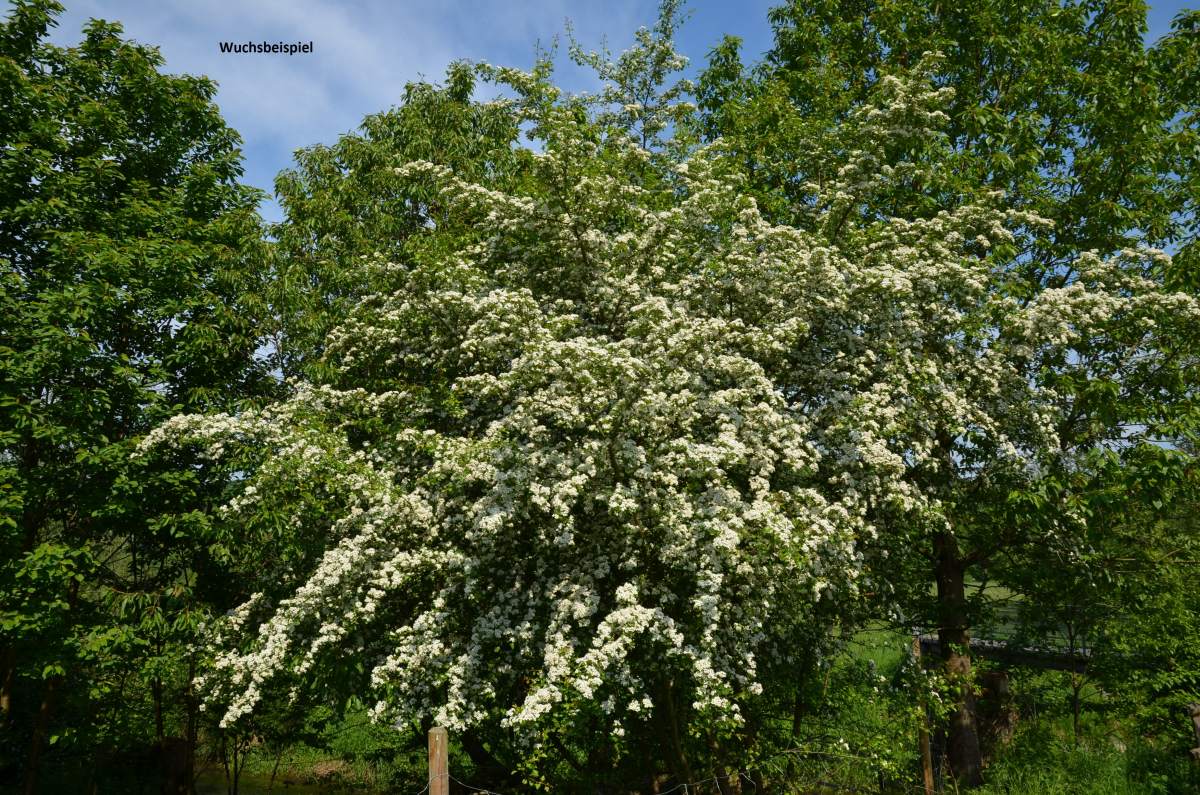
x=366, y=50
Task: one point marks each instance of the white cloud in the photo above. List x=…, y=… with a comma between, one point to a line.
x=364, y=53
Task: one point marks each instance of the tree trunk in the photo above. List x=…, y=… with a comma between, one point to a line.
x=1076, y=708
x=799, y=710
x=225, y=762
x=275, y=769
x=487, y=766
x=32, y=519
x=923, y=727
x=680, y=768
x=1076, y=685
x=8, y=675
x=41, y=727
x=174, y=756
x=954, y=637
x=193, y=723
x=156, y=690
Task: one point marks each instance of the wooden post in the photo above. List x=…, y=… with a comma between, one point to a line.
x=923, y=730
x=439, y=771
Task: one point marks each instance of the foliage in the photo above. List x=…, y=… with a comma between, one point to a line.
x=1042, y=758
x=613, y=436
x=345, y=202
x=546, y=477
x=127, y=261
x=1062, y=107
x=1059, y=104
x=1151, y=662
x=601, y=451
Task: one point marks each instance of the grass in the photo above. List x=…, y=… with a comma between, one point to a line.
x=1043, y=758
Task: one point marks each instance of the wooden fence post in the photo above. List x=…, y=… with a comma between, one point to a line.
x=923, y=729
x=439, y=771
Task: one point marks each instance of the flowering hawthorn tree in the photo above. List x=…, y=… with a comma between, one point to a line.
x=585, y=474
x=565, y=491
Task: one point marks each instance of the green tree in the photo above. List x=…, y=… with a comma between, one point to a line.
x=1124, y=589
x=130, y=260
x=1061, y=106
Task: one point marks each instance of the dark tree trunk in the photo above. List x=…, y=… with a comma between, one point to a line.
x=32, y=519
x=1077, y=681
x=8, y=675
x=156, y=691
x=174, y=756
x=954, y=637
x=1076, y=708
x=680, y=768
x=487, y=766
x=800, y=707
x=41, y=727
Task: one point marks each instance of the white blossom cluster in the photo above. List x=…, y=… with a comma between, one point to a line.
x=632, y=434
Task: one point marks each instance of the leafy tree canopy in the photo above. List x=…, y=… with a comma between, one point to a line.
x=129, y=260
